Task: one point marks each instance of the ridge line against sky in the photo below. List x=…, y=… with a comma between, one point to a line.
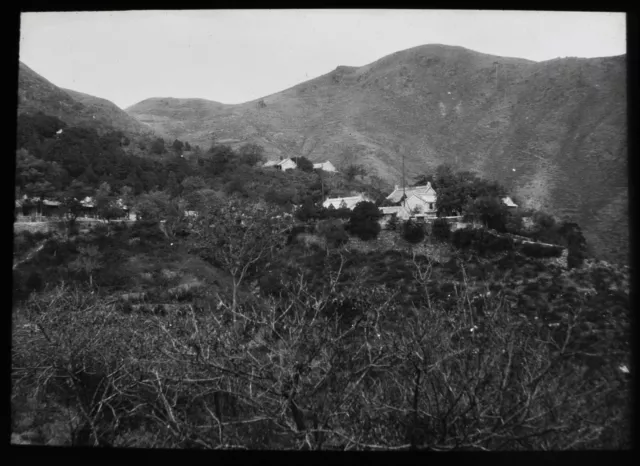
x=236, y=56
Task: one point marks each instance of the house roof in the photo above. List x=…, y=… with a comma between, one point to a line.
x=47, y=202
x=327, y=166
x=349, y=201
x=87, y=202
x=419, y=191
x=509, y=202
x=279, y=163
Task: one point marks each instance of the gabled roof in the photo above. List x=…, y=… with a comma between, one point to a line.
x=350, y=202
x=326, y=166
x=279, y=163
x=419, y=191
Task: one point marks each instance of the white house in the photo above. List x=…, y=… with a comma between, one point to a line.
x=509, y=202
x=420, y=200
x=348, y=202
x=284, y=165
x=326, y=166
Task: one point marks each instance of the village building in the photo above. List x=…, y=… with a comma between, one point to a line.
x=509, y=203
x=420, y=202
x=27, y=207
x=345, y=202
x=325, y=166
x=284, y=165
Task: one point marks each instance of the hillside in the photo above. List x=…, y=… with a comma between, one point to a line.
x=36, y=94
x=553, y=132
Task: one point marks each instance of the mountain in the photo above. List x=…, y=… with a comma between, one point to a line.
x=553, y=132
x=36, y=94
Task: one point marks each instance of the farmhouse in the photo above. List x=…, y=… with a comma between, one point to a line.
x=326, y=166
x=32, y=206
x=284, y=165
x=420, y=200
x=348, y=202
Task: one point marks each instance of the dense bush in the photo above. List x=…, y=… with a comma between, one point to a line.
x=412, y=232
x=506, y=364
x=364, y=221
x=441, y=229
x=481, y=240
x=333, y=231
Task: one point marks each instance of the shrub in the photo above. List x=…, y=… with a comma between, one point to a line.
x=441, y=229
x=303, y=164
x=393, y=223
x=412, y=232
x=363, y=221
x=334, y=232
x=481, y=240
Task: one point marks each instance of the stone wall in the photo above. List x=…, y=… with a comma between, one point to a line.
x=391, y=240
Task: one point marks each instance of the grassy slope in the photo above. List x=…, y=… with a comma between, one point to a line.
x=74, y=108
x=550, y=121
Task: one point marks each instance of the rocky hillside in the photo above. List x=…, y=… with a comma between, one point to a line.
x=553, y=132
x=36, y=94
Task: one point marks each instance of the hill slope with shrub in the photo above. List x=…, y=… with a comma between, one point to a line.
x=554, y=132
x=36, y=94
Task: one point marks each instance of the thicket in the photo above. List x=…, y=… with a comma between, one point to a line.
x=354, y=368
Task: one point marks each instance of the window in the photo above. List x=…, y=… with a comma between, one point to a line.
x=430, y=205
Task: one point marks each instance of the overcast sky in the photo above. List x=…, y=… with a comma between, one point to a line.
x=237, y=56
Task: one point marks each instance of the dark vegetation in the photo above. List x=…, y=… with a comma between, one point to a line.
x=230, y=338
x=255, y=324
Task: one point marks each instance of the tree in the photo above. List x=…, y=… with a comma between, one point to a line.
x=575, y=242
x=87, y=261
x=251, y=154
x=220, y=159
x=412, y=232
x=441, y=229
x=491, y=211
x=152, y=206
x=239, y=237
x=333, y=231
x=71, y=202
x=364, y=221
x=187, y=146
x=106, y=203
x=423, y=179
x=173, y=188
x=33, y=176
x=353, y=170
x=190, y=186
x=307, y=211
x=393, y=223
x=177, y=146
x=303, y=164
x=157, y=146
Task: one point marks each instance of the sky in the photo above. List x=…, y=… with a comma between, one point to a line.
x=235, y=56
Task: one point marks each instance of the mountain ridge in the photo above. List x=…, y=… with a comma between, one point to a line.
x=554, y=131
x=37, y=94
